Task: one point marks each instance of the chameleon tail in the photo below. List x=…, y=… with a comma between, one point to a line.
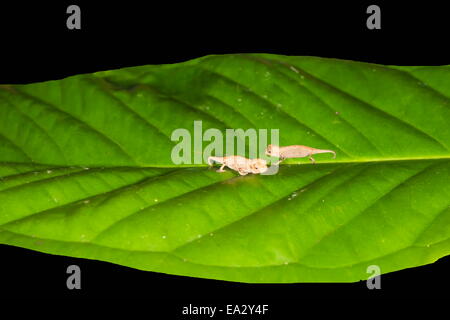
x=326, y=151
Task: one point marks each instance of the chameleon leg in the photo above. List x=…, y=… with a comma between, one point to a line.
x=312, y=159
x=221, y=169
x=279, y=161
x=242, y=172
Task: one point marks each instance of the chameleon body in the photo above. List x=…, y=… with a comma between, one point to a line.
x=240, y=164
x=295, y=151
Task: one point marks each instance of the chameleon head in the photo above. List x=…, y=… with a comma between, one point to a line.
x=258, y=166
x=272, y=150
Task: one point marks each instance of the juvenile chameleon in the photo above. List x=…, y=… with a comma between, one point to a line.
x=295, y=151
x=240, y=164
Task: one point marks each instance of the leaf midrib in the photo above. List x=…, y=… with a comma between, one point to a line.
x=187, y=166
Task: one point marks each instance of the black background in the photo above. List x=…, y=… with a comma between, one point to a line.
x=35, y=45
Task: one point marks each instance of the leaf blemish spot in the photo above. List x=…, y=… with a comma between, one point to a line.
x=293, y=69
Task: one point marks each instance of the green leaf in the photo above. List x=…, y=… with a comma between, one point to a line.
x=86, y=169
